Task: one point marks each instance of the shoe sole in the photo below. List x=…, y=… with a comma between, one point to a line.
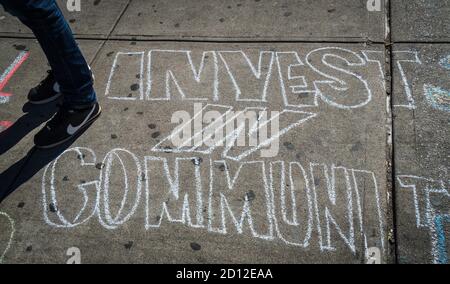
x=90, y=121
x=46, y=100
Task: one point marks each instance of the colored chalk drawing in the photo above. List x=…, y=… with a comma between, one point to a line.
x=429, y=216
x=4, y=79
x=445, y=62
x=5, y=124
x=440, y=237
x=9, y=72
x=12, y=231
x=437, y=97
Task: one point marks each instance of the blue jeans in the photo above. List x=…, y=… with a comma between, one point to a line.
x=69, y=67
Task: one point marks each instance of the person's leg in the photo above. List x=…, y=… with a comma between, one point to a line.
x=80, y=107
x=70, y=69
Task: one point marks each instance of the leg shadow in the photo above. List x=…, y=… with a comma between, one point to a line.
x=24, y=169
x=34, y=116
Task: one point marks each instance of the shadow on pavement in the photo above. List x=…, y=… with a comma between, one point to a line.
x=34, y=116
x=36, y=159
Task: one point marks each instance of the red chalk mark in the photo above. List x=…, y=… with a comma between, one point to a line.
x=4, y=79
x=5, y=124
x=13, y=69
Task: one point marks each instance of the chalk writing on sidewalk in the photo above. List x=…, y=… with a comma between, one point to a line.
x=339, y=77
x=290, y=203
x=177, y=75
x=4, y=79
x=430, y=215
x=9, y=231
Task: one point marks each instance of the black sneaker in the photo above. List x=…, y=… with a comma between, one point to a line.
x=46, y=91
x=65, y=124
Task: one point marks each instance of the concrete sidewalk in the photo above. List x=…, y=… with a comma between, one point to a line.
x=362, y=98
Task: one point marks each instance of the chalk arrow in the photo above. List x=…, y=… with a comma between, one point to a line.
x=9, y=72
x=4, y=78
x=166, y=144
x=293, y=120
x=290, y=118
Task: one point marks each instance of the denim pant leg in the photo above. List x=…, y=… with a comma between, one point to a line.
x=52, y=31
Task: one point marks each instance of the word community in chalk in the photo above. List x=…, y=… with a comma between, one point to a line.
x=290, y=202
